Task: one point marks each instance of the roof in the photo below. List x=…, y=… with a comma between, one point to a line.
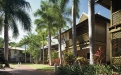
x=16, y=48
x=105, y=3
x=84, y=17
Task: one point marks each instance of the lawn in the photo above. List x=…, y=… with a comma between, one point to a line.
x=41, y=67
x=36, y=66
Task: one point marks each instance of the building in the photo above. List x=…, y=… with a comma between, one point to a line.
x=16, y=54
x=102, y=37
x=115, y=28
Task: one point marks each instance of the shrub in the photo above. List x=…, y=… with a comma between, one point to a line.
x=69, y=58
x=56, y=61
x=84, y=70
x=82, y=61
x=68, y=70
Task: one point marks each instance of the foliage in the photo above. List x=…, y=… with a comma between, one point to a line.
x=69, y=58
x=82, y=61
x=1, y=42
x=36, y=53
x=98, y=56
x=54, y=54
x=84, y=70
x=56, y=61
x=116, y=69
x=68, y=70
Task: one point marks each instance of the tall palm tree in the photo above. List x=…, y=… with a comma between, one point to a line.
x=12, y=12
x=46, y=22
x=91, y=25
x=75, y=11
x=60, y=14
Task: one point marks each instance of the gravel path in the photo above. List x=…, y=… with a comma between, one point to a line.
x=24, y=70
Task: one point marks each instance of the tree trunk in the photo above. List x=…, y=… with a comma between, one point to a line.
x=49, y=48
x=6, y=41
x=91, y=25
x=43, y=55
x=30, y=57
x=60, y=51
x=25, y=53
x=6, y=38
x=43, y=51
x=74, y=28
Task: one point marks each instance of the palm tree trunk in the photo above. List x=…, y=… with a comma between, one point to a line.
x=25, y=53
x=30, y=57
x=74, y=28
x=49, y=48
x=6, y=41
x=43, y=51
x=60, y=52
x=91, y=21
x=6, y=38
x=43, y=55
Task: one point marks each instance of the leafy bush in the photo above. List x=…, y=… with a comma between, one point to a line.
x=82, y=61
x=69, y=58
x=68, y=70
x=84, y=70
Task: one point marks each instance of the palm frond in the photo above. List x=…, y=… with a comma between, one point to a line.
x=14, y=28
x=23, y=18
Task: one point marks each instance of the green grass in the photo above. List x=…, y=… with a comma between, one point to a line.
x=36, y=66
x=41, y=67
x=13, y=65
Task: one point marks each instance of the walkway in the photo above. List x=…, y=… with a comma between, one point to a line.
x=26, y=70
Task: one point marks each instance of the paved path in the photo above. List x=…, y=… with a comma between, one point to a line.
x=27, y=70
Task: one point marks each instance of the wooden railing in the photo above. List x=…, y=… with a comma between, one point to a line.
x=116, y=18
x=81, y=38
x=116, y=61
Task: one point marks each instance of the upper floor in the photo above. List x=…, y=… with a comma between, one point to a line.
x=115, y=8
x=101, y=31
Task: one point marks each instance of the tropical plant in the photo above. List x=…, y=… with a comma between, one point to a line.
x=1, y=42
x=84, y=70
x=13, y=11
x=69, y=58
x=60, y=14
x=82, y=61
x=46, y=22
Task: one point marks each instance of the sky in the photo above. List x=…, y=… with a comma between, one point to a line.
x=35, y=4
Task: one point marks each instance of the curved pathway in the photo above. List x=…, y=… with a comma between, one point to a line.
x=27, y=70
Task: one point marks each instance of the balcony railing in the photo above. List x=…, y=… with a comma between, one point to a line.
x=82, y=38
x=116, y=18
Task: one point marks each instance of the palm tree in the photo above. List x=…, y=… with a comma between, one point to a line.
x=91, y=23
x=75, y=10
x=12, y=12
x=42, y=38
x=46, y=22
x=60, y=14
x=24, y=41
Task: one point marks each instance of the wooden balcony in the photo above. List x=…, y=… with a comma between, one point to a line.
x=116, y=18
x=80, y=39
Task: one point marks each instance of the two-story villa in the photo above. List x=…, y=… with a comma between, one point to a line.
x=101, y=37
